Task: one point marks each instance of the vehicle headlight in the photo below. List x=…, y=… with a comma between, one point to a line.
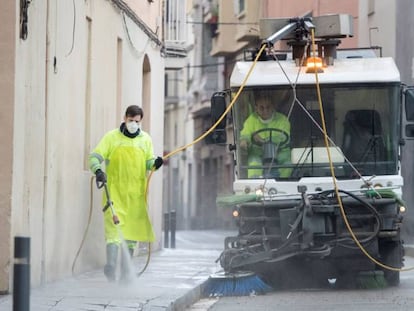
x=259, y=192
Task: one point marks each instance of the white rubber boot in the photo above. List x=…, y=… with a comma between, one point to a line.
x=111, y=259
x=126, y=266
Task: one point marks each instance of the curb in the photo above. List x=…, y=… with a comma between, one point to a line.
x=194, y=295
x=188, y=299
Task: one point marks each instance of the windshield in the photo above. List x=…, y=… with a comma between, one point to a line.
x=278, y=136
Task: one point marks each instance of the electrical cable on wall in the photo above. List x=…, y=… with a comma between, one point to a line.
x=138, y=53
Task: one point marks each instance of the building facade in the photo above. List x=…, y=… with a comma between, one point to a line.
x=69, y=70
x=190, y=178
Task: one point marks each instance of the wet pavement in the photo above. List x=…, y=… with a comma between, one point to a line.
x=172, y=281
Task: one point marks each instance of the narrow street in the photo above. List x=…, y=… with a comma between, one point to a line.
x=396, y=298
x=206, y=137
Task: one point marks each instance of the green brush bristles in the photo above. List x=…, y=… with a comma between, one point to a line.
x=234, y=199
x=235, y=284
x=371, y=280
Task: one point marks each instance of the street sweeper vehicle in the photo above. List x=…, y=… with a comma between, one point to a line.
x=317, y=191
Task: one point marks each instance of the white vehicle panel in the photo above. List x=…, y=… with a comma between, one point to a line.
x=343, y=71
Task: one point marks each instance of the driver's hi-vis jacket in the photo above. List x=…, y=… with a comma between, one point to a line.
x=253, y=124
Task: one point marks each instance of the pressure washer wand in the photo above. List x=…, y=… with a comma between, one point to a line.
x=109, y=204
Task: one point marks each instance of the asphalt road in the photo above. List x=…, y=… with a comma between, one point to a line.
x=399, y=298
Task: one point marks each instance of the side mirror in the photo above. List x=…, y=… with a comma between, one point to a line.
x=408, y=120
x=218, y=107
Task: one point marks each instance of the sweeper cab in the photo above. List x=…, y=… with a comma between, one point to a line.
x=298, y=216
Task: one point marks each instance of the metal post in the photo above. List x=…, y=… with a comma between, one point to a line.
x=21, y=277
x=166, y=229
x=173, y=225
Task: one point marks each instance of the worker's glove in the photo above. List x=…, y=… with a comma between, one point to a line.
x=258, y=140
x=158, y=162
x=100, y=176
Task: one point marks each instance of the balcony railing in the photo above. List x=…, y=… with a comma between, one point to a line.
x=175, y=35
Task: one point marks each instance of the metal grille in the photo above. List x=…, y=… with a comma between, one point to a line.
x=175, y=23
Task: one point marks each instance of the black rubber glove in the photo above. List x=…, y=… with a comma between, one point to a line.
x=158, y=162
x=100, y=176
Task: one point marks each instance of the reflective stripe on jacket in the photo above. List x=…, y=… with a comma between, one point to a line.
x=127, y=161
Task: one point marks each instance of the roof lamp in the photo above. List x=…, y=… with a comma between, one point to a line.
x=314, y=64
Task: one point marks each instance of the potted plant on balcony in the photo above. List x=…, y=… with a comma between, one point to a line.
x=213, y=20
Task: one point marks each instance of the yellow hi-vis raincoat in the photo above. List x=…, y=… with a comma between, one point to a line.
x=127, y=162
x=253, y=124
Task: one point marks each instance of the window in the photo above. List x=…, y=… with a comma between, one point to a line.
x=171, y=87
x=239, y=6
x=361, y=119
x=175, y=26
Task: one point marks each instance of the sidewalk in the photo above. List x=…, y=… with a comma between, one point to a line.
x=172, y=281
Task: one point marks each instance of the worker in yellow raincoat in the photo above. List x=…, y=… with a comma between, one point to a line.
x=128, y=155
x=263, y=125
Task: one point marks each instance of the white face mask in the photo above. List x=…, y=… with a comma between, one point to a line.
x=133, y=127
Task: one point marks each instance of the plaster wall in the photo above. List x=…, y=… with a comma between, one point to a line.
x=7, y=83
x=67, y=95
x=404, y=42
x=377, y=24
x=147, y=10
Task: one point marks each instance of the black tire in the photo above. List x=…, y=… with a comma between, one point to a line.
x=392, y=253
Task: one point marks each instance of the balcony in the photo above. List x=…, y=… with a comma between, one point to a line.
x=175, y=35
x=237, y=27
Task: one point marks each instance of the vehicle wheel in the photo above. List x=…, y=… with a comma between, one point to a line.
x=392, y=254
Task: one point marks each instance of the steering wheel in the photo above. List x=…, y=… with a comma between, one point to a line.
x=282, y=144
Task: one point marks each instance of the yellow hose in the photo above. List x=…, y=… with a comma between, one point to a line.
x=203, y=135
x=348, y=226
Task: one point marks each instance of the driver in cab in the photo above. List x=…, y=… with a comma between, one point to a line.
x=266, y=136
